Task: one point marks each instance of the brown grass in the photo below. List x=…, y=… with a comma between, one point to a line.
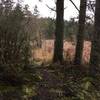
x=46, y=52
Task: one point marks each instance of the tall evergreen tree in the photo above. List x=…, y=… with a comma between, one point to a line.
x=80, y=35
x=95, y=51
x=58, y=45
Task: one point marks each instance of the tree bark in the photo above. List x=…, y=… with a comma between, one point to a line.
x=95, y=50
x=80, y=35
x=58, y=45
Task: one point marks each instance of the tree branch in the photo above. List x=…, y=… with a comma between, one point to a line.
x=53, y=8
x=74, y=5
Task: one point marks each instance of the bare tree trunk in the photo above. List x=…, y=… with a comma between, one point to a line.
x=95, y=51
x=58, y=45
x=80, y=35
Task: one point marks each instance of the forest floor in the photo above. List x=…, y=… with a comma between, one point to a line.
x=51, y=81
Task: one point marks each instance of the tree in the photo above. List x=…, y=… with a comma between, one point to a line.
x=50, y=29
x=70, y=29
x=95, y=50
x=58, y=45
x=14, y=40
x=80, y=35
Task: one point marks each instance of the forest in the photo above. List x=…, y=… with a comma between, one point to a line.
x=49, y=58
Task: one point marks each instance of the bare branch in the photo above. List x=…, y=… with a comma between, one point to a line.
x=74, y=5
x=51, y=8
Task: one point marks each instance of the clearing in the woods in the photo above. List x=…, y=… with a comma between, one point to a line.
x=46, y=52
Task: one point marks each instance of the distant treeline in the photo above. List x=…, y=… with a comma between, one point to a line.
x=46, y=27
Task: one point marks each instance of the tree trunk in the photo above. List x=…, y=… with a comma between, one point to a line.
x=95, y=50
x=80, y=35
x=58, y=45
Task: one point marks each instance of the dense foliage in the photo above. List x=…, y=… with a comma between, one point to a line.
x=23, y=78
